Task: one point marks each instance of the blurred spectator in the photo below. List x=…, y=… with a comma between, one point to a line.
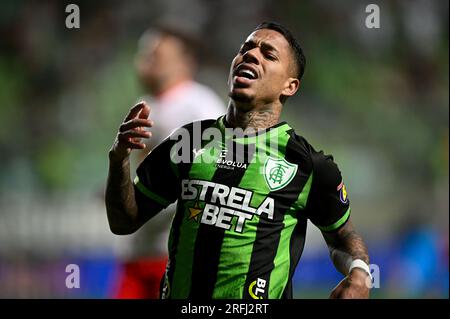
x=166, y=63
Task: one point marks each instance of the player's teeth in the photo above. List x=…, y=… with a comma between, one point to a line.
x=249, y=73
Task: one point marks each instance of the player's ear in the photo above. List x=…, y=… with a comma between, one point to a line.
x=291, y=86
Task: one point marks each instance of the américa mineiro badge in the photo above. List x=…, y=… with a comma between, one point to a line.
x=278, y=173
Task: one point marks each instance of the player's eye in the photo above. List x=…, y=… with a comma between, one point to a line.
x=270, y=56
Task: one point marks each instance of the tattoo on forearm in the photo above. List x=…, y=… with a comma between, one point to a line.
x=119, y=197
x=346, y=245
x=354, y=245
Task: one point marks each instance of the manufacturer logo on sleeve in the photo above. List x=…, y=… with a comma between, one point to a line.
x=278, y=173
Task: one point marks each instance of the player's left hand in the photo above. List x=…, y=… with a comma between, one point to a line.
x=355, y=286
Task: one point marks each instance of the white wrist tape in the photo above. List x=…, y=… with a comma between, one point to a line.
x=358, y=263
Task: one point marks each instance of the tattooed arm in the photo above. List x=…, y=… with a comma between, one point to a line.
x=345, y=245
x=121, y=206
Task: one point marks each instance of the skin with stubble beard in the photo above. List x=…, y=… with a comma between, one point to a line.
x=261, y=74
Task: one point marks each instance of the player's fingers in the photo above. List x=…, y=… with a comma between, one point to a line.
x=141, y=128
x=134, y=123
x=134, y=111
x=134, y=134
x=133, y=145
x=145, y=111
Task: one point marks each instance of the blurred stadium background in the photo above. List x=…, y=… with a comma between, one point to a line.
x=377, y=99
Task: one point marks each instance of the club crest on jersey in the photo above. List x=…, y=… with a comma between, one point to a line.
x=278, y=173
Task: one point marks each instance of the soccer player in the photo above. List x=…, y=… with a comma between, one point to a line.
x=245, y=189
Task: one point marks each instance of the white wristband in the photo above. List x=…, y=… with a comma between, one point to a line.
x=358, y=263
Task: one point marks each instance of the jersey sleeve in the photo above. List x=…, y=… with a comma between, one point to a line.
x=328, y=206
x=157, y=176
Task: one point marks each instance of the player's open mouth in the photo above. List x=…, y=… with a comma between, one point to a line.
x=244, y=75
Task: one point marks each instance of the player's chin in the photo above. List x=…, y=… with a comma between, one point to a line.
x=241, y=95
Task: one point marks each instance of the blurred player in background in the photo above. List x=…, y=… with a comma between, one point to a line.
x=166, y=64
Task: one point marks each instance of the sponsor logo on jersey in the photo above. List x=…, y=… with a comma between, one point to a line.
x=194, y=212
x=342, y=193
x=278, y=173
x=228, y=163
x=257, y=288
x=223, y=206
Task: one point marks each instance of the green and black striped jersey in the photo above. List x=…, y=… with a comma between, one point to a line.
x=243, y=205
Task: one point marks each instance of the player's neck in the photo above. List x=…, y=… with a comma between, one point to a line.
x=254, y=119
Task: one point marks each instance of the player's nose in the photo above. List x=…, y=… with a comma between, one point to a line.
x=251, y=56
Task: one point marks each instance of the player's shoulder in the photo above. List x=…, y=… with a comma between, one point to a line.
x=298, y=143
x=325, y=169
x=185, y=138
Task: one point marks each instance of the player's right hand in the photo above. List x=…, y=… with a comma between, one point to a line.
x=131, y=131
